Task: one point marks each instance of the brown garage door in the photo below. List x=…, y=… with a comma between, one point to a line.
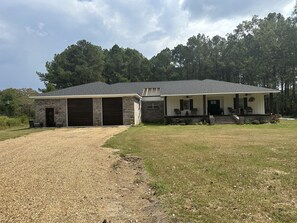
x=112, y=111
x=80, y=112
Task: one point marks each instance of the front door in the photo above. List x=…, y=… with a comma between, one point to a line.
x=214, y=107
x=50, y=117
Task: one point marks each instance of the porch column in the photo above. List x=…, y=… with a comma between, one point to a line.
x=271, y=110
x=165, y=105
x=237, y=104
x=204, y=104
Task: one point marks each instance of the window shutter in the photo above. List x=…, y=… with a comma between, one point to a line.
x=191, y=104
x=245, y=103
x=181, y=105
x=234, y=103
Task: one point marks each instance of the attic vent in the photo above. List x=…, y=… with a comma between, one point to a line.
x=151, y=92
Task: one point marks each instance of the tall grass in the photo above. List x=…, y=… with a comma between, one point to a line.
x=7, y=122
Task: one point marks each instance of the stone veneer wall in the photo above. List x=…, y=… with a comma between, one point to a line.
x=60, y=109
x=152, y=114
x=128, y=110
x=97, y=111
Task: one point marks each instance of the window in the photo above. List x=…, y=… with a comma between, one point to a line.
x=186, y=104
x=151, y=92
x=153, y=107
x=242, y=102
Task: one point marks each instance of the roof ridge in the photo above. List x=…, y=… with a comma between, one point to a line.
x=139, y=82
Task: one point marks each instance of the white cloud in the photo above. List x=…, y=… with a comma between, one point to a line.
x=41, y=25
x=6, y=33
x=148, y=26
x=288, y=9
x=215, y=10
x=38, y=31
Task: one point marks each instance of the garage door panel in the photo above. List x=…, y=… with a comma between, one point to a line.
x=80, y=112
x=112, y=111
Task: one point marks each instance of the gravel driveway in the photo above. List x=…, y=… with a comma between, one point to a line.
x=64, y=175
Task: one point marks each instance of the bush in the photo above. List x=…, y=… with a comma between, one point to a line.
x=275, y=119
x=3, y=121
x=6, y=122
x=246, y=121
x=256, y=122
x=24, y=119
x=188, y=121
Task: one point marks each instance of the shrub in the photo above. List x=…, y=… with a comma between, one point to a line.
x=275, y=119
x=3, y=121
x=24, y=119
x=6, y=122
x=246, y=121
x=256, y=122
x=188, y=121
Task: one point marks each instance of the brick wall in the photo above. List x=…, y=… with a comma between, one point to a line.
x=152, y=111
x=97, y=111
x=60, y=109
x=128, y=110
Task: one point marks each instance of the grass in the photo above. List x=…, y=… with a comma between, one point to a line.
x=17, y=132
x=221, y=173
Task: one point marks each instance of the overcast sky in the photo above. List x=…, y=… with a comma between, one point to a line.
x=32, y=31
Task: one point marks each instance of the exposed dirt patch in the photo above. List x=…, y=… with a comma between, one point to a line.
x=66, y=176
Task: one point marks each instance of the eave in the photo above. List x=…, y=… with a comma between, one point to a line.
x=220, y=93
x=87, y=96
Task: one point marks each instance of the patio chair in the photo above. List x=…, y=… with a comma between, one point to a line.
x=231, y=111
x=194, y=111
x=177, y=111
x=249, y=110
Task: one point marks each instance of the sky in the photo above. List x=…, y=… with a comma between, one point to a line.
x=33, y=31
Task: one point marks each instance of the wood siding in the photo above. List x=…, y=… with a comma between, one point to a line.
x=226, y=101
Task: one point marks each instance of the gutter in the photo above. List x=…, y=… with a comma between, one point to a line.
x=86, y=96
x=220, y=93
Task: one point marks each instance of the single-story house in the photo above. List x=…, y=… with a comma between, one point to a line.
x=97, y=104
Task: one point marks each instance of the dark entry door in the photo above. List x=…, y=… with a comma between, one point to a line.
x=80, y=112
x=112, y=111
x=214, y=107
x=50, y=117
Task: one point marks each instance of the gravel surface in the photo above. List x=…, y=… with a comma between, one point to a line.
x=64, y=175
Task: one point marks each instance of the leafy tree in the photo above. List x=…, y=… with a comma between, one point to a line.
x=182, y=58
x=162, y=66
x=16, y=102
x=78, y=64
x=122, y=65
x=114, y=70
x=136, y=64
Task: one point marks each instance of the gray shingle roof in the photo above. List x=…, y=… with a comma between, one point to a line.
x=182, y=87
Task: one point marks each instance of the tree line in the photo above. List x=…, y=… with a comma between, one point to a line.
x=16, y=102
x=259, y=52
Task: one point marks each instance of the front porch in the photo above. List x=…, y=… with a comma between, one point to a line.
x=223, y=109
x=227, y=104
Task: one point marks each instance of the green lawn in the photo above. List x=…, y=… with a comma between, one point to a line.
x=220, y=173
x=17, y=132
